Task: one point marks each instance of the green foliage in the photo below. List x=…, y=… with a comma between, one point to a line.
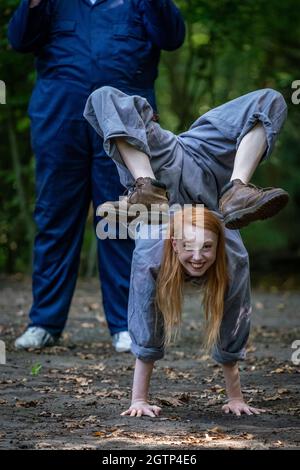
x=36, y=369
x=232, y=47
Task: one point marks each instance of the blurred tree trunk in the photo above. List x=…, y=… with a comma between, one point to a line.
x=17, y=167
x=92, y=258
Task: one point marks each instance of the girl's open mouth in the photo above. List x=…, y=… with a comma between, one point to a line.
x=197, y=265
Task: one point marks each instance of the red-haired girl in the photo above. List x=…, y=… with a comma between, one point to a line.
x=209, y=165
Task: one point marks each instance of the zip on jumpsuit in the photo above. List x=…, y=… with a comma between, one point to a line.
x=79, y=47
x=194, y=166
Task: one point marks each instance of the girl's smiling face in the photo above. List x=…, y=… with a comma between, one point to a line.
x=197, y=249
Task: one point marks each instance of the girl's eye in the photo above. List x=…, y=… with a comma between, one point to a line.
x=186, y=247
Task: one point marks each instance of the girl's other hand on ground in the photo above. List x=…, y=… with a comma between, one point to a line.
x=142, y=408
x=239, y=407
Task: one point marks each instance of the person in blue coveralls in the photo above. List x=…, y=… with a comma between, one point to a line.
x=79, y=46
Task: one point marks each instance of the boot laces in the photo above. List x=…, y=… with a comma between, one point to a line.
x=258, y=187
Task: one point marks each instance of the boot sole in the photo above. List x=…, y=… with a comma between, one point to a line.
x=260, y=211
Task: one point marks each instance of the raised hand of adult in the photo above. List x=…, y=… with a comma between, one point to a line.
x=34, y=3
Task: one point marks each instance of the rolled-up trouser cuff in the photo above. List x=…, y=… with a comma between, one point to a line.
x=147, y=354
x=224, y=357
x=113, y=114
x=271, y=133
x=237, y=117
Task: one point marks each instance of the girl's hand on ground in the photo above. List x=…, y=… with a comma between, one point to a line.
x=238, y=406
x=142, y=408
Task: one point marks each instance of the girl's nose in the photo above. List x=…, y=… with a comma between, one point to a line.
x=197, y=255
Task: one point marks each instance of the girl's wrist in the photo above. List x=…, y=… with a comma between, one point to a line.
x=234, y=398
x=139, y=400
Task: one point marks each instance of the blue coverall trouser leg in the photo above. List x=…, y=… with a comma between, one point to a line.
x=71, y=169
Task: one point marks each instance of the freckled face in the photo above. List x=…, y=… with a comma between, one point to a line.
x=196, y=251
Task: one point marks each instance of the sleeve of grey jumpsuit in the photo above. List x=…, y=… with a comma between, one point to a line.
x=235, y=326
x=145, y=322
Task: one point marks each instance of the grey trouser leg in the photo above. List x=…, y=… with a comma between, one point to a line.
x=213, y=138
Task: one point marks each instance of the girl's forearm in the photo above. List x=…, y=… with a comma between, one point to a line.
x=141, y=380
x=232, y=380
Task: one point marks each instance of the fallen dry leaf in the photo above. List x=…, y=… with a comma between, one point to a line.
x=216, y=429
x=286, y=368
x=252, y=390
x=217, y=388
x=214, y=401
x=108, y=432
x=247, y=436
x=281, y=391
x=115, y=393
x=85, y=356
x=170, y=401
x=87, y=325
x=273, y=398
x=73, y=425
x=91, y=419
x=184, y=397
x=26, y=404
x=278, y=444
x=94, y=306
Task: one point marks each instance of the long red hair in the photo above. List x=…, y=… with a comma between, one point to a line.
x=170, y=281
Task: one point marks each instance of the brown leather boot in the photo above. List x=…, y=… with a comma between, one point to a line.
x=148, y=196
x=243, y=203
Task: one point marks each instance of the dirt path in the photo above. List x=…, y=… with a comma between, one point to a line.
x=70, y=396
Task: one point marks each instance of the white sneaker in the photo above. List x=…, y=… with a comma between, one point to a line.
x=35, y=337
x=122, y=341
